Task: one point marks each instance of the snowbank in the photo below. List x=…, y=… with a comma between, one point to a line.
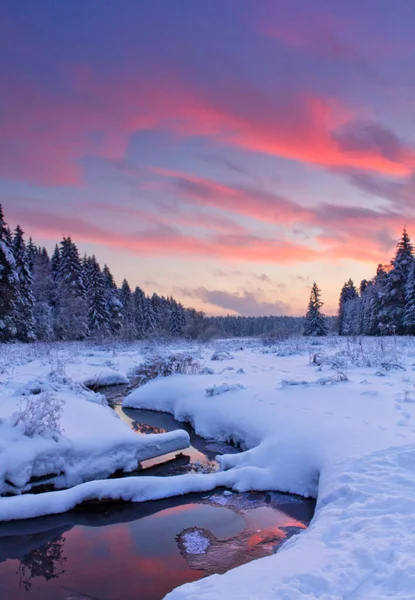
x=88, y=440
x=350, y=444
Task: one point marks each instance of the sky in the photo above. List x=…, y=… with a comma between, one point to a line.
x=227, y=152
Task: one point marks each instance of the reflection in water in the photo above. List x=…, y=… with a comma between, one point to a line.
x=46, y=561
x=199, y=457
x=133, y=550
x=128, y=551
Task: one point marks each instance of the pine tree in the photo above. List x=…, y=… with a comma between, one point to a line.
x=393, y=296
x=126, y=299
x=72, y=308
x=150, y=322
x=55, y=261
x=9, y=284
x=24, y=320
x=177, y=321
x=348, y=292
x=157, y=311
x=44, y=292
x=98, y=313
x=315, y=323
x=139, y=300
x=113, y=302
x=31, y=253
x=409, y=311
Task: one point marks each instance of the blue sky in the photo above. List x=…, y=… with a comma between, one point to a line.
x=229, y=153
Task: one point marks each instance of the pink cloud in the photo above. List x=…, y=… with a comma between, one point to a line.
x=44, y=137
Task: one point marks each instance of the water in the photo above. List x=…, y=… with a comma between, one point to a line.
x=130, y=551
x=200, y=456
x=125, y=551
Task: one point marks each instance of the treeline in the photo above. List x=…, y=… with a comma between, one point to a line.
x=385, y=305
x=235, y=326
x=64, y=297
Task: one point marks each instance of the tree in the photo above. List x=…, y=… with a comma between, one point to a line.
x=139, y=300
x=177, y=320
x=98, y=312
x=113, y=302
x=394, y=293
x=409, y=311
x=9, y=284
x=24, y=319
x=44, y=292
x=55, y=261
x=126, y=299
x=348, y=292
x=72, y=308
x=150, y=322
x=315, y=323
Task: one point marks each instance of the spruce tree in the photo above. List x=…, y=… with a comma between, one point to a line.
x=113, y=302
x=393, y=295
x=150, y=322
x=44, y=292
x=55, y=261
x=348, y=292
x=98, y=313
x=139, y=300
x=126, y=299
x=72, y=308
x=9, y=284
x=31, y=253
x=24, y=320
x=315, y=323
x=409, y=311
x=177, y=319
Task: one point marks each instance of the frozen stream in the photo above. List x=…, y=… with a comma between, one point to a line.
x=128, y=551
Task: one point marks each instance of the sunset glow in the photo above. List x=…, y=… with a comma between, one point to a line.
x=228, y=153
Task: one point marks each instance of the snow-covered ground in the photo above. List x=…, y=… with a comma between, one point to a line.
x=333, y=419
x=84, y=439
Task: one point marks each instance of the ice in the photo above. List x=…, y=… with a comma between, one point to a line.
x=194, y=542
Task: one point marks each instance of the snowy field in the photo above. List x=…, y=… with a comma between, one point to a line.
x=331, y=418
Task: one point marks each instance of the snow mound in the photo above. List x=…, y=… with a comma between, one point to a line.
x=104, y=376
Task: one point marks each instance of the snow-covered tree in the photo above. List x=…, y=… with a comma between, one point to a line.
x=177, y=319
x=44, y=292
x=113, y=302
x=98, y=312
x=394, y=292
x=348, y=292
x=31, y=253
x=55, y=261
x=9, y=284
x=72, y=308
x=409, y=311
x=139, y=300
x=150, y=321
x=315, y=322
x=126, y=298
x=24, y=319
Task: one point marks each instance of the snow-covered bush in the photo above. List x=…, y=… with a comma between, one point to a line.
x=221, y=355
x=224, y=387
x=160, y=366
x=207, y=371
x=39, y=414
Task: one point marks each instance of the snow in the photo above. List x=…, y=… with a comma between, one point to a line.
x=194, y=542
x=93, y=443
x=330, y=428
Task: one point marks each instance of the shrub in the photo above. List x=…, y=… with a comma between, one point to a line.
x=39, y=414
